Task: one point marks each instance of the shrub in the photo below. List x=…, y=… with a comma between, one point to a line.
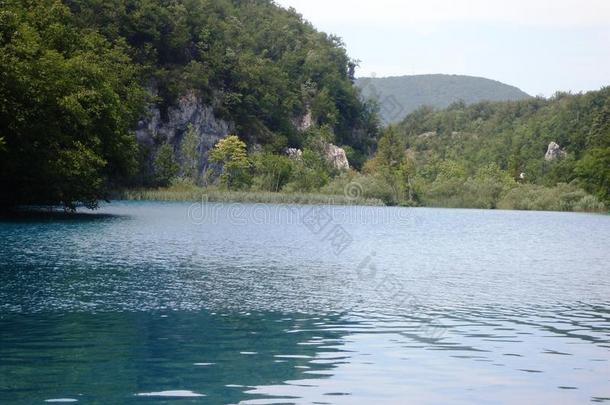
x=166, y=167
x=563, y=197
x=311, y=172
x=271, y=172
x=355, y=185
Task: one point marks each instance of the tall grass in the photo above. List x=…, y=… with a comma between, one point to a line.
x=562, y=197
x=193, y=193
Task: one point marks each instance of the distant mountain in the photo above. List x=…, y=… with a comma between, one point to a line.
x=400, y=95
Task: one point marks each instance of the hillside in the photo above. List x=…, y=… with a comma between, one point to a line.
x=401, y=95
x=79, y=77
x=544, y=154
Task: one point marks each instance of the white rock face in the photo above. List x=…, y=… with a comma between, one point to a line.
x=294, y=153
x=153, y=130
x=304, y=122
x=426, y=135
x=333, y=154
x=553, y=152
x=336, y=156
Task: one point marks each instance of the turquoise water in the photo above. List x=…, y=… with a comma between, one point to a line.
x=210, y=303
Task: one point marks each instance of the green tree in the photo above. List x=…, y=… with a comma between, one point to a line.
x=311, y=172
x=166, y=167
x=69, y=100
x=594, y=172
x=487, y=187
x=390, y=149
x=272, y=171
x=392, y=166
x=72, y=73
x=81, y=167
x=231, y=153
x=189, y=150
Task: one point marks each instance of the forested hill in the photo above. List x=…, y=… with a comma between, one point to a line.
x=535, y=142
x=400, y=95
x=78, y=75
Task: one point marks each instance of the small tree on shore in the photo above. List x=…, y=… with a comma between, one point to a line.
x=166, y=167
x=189, y=150
x=231, y=153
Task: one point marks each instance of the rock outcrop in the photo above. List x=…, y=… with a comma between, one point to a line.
x=426, y=135
x=304, y=122
x=333, y=154
x=293, y=153
x=336, y=157
x=554, y=152
x=153, y=130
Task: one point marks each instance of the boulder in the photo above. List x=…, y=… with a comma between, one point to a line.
x=554, y=152
x=293, y=153
x=336, y=156
x=426, y=135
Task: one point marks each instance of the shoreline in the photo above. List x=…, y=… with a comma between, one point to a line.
x=203, y=195
x=254, y=197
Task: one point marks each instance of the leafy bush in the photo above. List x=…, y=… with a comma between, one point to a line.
x=563, y=197
x=594, y=171
x=166, y=167
x=355, y=185
x=271, y=172
x=311, y=172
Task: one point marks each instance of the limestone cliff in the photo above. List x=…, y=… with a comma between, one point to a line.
x=154, y=130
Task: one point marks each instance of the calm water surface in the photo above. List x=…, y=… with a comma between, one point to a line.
x=175, y=303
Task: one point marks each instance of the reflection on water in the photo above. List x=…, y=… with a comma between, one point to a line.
x=434, y=306
x=123, y=357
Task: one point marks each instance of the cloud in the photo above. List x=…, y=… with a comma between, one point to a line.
x=546, y=13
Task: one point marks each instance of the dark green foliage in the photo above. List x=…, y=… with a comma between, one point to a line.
x=72, y=75
x=166, y=167
x=68, y=100
x=272, y=172
x=311, y=172
x=259, y=64
x=189, y=153
x=593, y=170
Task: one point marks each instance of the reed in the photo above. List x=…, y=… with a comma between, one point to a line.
x=216, y=195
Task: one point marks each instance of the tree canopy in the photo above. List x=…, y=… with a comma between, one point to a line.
x=68, y=102
x=76, y=75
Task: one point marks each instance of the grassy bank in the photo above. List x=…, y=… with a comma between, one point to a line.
x=562, y=197
x=538, y=199
x=217, y=195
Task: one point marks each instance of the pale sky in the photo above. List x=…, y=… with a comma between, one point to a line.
x=540, y=46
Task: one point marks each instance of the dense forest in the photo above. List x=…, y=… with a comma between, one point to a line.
x=401, y=95
x=77, y=76
x=547, y=154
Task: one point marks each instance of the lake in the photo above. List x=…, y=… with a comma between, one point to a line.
x=146, y=302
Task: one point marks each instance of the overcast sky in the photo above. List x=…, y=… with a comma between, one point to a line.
x=540, y=46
